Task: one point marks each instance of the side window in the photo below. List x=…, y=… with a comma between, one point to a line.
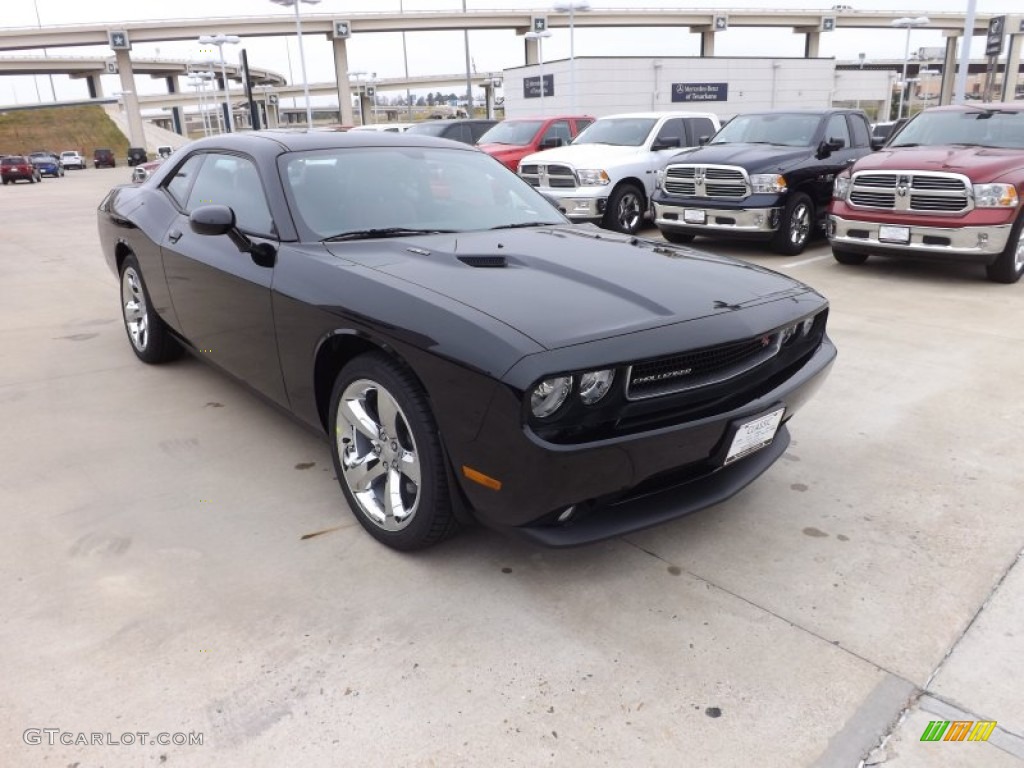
x=581, y=124
x=180, y=183
x=836, y=129
x=699, y=127
x=557, y=130
x=859, y=126
x=671, y=133
x=233, y=181
x=477, y=130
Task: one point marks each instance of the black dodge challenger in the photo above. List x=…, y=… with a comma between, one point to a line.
x=469, y=353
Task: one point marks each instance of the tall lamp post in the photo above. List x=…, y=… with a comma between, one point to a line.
x=908, y=23
x=572, y=7
x=539, y=37
x=220, y=41
x=302, y=52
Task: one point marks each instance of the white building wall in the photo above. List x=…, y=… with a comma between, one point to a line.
x=608, y=85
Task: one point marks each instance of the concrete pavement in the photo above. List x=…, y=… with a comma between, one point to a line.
x=158, y=572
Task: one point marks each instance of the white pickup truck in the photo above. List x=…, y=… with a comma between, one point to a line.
x=607, y=175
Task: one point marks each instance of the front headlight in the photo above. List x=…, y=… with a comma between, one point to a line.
x=765, y=183
x=995, y=196
x=659, y=179
x=593, y=178
x=595, y=384
x=841, y=187
x=548, y=396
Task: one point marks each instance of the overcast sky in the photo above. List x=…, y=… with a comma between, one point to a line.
x=442, y=52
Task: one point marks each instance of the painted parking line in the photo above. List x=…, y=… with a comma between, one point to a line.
x=805, y=261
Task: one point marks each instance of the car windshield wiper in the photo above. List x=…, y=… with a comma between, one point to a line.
x=522, y=224
x=369, y=234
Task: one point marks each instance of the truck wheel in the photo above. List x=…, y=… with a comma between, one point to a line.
x=794, y=225
x=848, y=257
x=1009, y=267
x=679, y=238
x=625, y=210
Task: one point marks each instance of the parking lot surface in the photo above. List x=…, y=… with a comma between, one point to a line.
x=176, y=557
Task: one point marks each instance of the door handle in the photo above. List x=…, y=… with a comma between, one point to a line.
x=174, y=236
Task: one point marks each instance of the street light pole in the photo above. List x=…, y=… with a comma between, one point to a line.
x=302, y=52
x=539, y=37
x=220, y=40
x=572, y=6
x=909, y=23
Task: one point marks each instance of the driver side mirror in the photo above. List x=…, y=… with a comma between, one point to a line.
x=828, y=146
x=702, y=140
x=660, y=144
x=876, y=143
x=214, y=220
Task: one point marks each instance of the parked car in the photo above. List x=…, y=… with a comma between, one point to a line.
x=164, y=151
x=766, y=176
x=103, y=158
x=467, y=352
x=606, y=175
x=18, y=167
x=947, y=187
x=513, y=139
x=142, y=172
x=47, y=164
x=467, y=131
x=72, y=159
x=882, y=131
x=137, y=155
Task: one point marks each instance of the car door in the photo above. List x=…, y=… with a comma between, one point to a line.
x=835, y=128
x=220, y=295
x=671, y=132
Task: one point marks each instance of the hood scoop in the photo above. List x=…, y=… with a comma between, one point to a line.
x=484, y=262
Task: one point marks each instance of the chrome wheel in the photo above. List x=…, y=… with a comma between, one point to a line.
x=1018, y=255
x=628, y=212
x=379, y=460
x=800, y=225
x=133, y=305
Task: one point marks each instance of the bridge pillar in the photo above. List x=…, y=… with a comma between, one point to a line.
x=707, y=42
x=532, y=52
x=366, y=108
x=136, y=134
x=948, y=69
x=812, y=43
x=95, y=86
x=176, y=122
x=341, y=74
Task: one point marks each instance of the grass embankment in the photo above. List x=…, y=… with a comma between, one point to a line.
x=60, y=128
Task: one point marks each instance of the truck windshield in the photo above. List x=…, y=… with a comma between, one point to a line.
x=788, y=130
x=517, y=133
x=976, y=127
x=621, y=131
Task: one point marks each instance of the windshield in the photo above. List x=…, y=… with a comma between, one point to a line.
x=981, y=127
x=339, y=191
x=621, y=131
x=788, y=130
x=517, y=133
x=429, y=129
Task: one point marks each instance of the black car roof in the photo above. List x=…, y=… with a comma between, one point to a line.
x=297, y=141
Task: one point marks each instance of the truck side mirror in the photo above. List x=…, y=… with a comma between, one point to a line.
x=876, y=143
x=702, y=140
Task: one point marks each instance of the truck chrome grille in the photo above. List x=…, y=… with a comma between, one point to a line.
x=699, y=368
x=709, y=182
x=551, y=176
x=914, y=191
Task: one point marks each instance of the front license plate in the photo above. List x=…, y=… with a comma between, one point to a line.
x=754, y=435
x=888, y=234
x=693, y=217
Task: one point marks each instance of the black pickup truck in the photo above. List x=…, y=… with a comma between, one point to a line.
x=764, y=176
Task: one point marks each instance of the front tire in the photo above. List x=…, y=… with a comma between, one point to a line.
x=795, y=225
x=851, y=258
x=151, y=341
x=388, y=456
x=625, y=211
x=679, y=238
x=1009, y=267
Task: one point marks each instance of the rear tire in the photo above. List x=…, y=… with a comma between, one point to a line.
x=795, y=225
x=151, y=341
x=625, y=211
x=679, y=238
x=848, y=257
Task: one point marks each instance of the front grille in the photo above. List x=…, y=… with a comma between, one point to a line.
x=915, y=191
x=710, y=182
x=690, y=370
x=551, y=176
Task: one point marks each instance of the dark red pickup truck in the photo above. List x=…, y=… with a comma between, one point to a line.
x=946, y=187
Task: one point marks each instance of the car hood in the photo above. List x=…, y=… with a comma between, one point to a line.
x=501, y=150
x=585, y=155
x=755, y=158
x=567, y=285
x=976, y=162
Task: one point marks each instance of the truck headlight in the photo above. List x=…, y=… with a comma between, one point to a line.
x=762, y=183
x=593, y=178
x=841, y=187
x=659, y=179
x=548, y=396
x=995, y=196
x=595, y=384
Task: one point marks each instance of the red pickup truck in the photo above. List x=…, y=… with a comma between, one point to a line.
x=511, y=140
x=946, y=187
